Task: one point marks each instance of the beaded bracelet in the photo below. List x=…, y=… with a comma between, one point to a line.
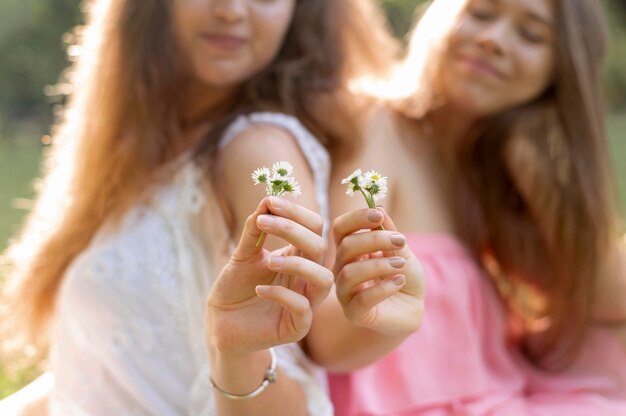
x=270, y=377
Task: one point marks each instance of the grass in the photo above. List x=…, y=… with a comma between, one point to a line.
x=19, y=163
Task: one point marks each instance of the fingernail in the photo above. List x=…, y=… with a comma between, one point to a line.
x=374, y=216
x=397, y=262
x=397, y=240
x=276, y=261
x=399, y=280
x=262, y=290
x=266, y=220
x=276, y=202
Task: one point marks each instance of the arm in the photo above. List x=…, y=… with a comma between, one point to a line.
x=257, y=303
x=339, y=323
x=379, y=294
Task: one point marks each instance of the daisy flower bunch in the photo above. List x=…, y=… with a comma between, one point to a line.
x=278, y=181
x=371, y=184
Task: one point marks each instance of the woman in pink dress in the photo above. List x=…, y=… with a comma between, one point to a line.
x=498, y=177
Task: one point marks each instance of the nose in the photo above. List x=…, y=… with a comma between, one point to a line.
x=494, y=37
x=229, y=11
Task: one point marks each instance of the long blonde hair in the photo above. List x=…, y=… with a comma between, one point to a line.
x=553, y=238
x=122, y=126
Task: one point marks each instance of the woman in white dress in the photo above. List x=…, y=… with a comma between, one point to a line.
x=117, y=261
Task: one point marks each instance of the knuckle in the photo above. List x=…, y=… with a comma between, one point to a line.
x=296, y=266
x=303, y=308
x=318, y=225
x=380, y=267
x=362, y=300
x=250, y=221
x=287, y=226
x=319, y=250
x=380, y=239
x=347, y=275
x=342, y=277
x=329, y=279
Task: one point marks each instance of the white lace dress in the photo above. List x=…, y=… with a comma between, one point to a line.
x=129, y=330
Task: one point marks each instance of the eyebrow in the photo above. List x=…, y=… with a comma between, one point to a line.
x=534, y=15
x=540, y=18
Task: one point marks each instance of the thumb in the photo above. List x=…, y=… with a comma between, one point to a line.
x=251, y=233
x=387, y=221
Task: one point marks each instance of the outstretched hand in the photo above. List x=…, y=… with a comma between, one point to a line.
x=261, y=298
x=380, y=283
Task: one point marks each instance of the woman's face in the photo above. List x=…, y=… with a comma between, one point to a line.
x=228, y=41
x=500, y=54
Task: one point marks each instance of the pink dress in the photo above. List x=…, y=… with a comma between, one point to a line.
x=459, y=363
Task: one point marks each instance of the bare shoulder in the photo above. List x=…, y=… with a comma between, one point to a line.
x=259, y=145
x=262, y=143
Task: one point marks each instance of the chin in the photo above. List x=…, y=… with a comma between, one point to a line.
x=475, y=103
x=221, y=78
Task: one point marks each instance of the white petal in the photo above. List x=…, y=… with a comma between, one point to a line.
x=283, y=167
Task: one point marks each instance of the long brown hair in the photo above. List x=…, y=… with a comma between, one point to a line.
x=123, y=125
x=329, y=45
x=535, y=194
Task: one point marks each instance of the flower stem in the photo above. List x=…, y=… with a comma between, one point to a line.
x=371, y=204
x=262, y=232
x=260, y=238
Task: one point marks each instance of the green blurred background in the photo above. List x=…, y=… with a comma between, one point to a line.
x=33, y=42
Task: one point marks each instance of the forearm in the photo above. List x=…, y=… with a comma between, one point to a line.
x=242, y=374
x=339, y=346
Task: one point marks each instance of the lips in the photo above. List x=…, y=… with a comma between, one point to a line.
x=224, y=41
x=482, y=66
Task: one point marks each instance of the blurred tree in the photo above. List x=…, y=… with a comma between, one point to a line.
x=32, y=57
x=401, y=14
x=615, y=73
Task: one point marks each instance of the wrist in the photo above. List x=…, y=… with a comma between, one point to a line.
x=242, y=375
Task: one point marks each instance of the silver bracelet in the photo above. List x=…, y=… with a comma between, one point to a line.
x=270, y=377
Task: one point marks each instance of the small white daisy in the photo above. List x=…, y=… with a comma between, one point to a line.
x=292, y=187
x=277, y=182
x=372, y=185
x=354, y=181
x=261, y=175
x=375, y=184
x=282, y=169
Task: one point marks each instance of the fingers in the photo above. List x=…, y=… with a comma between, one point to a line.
x=351, y=277
x=353, y=221
x=248, y=246
x=388, y=223
x=310, y=243
x=364, y=301
x=297, y=213
x=359, y=244
x=296, y=224
x=319, y=280
x=296, y=304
